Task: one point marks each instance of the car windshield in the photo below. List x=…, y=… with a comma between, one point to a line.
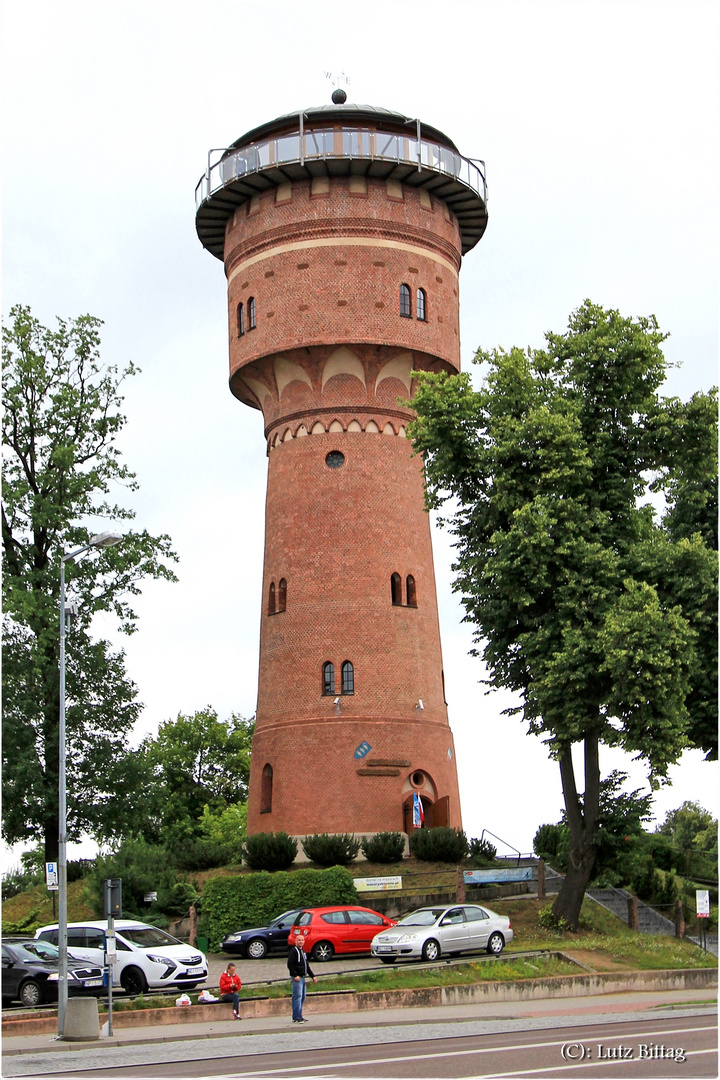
x=286, y=917
x=28, y=952
x=148, y=937
x=422, y=917
x=44, y=949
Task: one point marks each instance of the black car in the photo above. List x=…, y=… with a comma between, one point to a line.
x=30, y=973
x=259, y=942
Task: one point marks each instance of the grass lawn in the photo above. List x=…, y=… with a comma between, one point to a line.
x=602, y=943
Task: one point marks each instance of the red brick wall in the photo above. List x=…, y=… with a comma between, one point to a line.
x=329, y=364
x=311, y=288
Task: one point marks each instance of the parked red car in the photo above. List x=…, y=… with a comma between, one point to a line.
x=340, y=929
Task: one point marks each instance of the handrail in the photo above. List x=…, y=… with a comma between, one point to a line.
x=298, y=147
x=511, y=846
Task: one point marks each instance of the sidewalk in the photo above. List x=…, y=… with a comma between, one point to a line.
x=537, y=1011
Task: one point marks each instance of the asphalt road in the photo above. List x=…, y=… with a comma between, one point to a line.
x=642, y=1046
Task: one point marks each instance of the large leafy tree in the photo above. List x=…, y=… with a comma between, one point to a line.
x=593, y=609
x=61, y=467
x=196, y=767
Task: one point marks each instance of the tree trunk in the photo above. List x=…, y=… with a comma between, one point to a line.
x=582, y=824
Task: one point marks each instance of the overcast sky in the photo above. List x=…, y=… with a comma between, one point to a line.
x=599, y=125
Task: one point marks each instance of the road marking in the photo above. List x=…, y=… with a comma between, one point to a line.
x=479, y=1050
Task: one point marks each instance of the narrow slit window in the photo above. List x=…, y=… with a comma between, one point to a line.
x=271, y=599
x=282, y=594
x=348, y=678
x=396, y=589
x=421, y=305
x=251, y=313
x=405, y=302
x=328, y=677
x=240, y=319
x=411, y=591
x=266, y=786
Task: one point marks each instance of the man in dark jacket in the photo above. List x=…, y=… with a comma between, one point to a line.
x=300, y=970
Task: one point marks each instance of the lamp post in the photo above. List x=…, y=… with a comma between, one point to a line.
x=105, y=539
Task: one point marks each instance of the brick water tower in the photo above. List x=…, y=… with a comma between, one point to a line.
x=342, y=230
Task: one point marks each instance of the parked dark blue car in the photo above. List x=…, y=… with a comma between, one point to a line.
x=254, y=944
x=30, y=973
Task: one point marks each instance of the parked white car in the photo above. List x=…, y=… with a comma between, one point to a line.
x=432, y=932
x=146, y=956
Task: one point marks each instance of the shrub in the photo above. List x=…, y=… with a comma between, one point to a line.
x=77, y=869
x=668, y=890
x=645, y=881
x=21, y=878
x=26, y=924
x=439, y=845
x=328, y=849
x=202, y=853
x=481, y=852
x=550, y=921
x=236, y=903
x=269, y=851
x=143, y=868
x=384, y=847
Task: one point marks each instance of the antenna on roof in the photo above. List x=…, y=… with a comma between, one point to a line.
x=339, y=97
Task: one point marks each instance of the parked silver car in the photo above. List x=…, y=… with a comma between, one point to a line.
x=432, y=932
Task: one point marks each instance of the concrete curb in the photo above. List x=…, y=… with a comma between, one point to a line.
x=558, y=986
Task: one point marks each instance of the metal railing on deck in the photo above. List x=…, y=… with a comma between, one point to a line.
x=348, y=142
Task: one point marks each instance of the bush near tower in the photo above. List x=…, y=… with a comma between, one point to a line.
x=236, y=903
x=600, y=613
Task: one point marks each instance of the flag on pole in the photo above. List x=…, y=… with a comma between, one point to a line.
x=418, y=812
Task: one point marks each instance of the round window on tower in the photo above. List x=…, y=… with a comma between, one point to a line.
x=335, y=460
x=418, y=779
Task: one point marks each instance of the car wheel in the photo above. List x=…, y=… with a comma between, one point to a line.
x=31, y=993
x=133, y=981
x=431, y=950
x=256, y=949
x=323, y=950
x=388, y=959
x=496, y=943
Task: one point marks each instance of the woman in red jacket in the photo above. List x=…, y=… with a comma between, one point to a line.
x=229, y=986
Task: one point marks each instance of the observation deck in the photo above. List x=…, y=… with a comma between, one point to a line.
x=339, y=141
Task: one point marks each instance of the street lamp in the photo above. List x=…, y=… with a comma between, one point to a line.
x=105, y=539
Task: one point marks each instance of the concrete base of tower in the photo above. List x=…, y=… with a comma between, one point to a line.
x=355, y=776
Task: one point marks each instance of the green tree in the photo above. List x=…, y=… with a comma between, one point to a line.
x=196, y=767
x=62, y=416
x=619, y=835
x=544, y=469
x=693, y=832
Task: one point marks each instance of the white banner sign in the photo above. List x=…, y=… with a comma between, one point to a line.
x=51, y=876
x=377, y=884
x=702, y=903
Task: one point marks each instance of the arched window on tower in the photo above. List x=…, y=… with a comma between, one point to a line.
x=240, y=319
x=348, y=677
x=271, y=599
x=328, y=677
x=396, y=589
x=266, y=784
x=421, y=305
x=411, y=591
x=282, y=594
x=251, y=313
x=405, y=302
